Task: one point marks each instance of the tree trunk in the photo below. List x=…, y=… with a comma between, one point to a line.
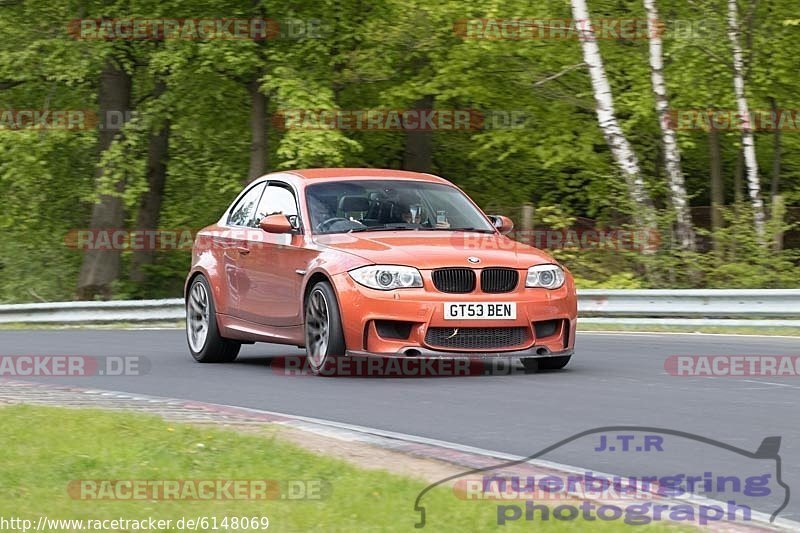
x=748, y=142
x=418, y=152
x=672, y=155
x=100, y=268
x=775, y=186
x=150, y=202
x=777, y=209
x=778, y=216
x=738, y=178
x=717, y=187
x=259, y=104
x=620, y=148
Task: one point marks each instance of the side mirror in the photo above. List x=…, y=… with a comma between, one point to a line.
x=503, y=224
x=275, y=224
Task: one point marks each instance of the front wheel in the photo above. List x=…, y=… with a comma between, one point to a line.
x=202, y=332
x=324, y=336
x=534, y=364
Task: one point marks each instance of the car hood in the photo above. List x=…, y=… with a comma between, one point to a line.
x=436, y=249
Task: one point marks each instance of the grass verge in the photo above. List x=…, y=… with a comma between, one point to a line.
x=47, y=449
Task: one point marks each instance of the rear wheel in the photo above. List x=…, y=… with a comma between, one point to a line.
x=324, y=336
x=202, y=332
x=534, y=364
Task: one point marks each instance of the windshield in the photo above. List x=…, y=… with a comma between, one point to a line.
x=383, y=205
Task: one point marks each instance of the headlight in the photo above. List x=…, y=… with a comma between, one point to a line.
x=387, y=277
x=546, y=276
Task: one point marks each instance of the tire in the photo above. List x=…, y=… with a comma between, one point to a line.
x=202, y=332
x=534, y=364
x=324, y=335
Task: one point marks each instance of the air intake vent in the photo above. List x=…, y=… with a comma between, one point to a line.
x=546, y=328
x=477, y=338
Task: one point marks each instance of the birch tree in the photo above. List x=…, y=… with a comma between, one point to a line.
x=748, y=142
x=618, y=143
x=672, y=155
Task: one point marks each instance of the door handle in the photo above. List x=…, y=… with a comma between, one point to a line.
x=242, y=250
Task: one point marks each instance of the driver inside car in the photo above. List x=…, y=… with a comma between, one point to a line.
x=358, y=209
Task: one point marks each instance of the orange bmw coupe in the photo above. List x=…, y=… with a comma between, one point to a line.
x=373, y=263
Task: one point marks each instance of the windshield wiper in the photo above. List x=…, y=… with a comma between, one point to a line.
x=385, y=227
x=402, y=227
x=470, y=229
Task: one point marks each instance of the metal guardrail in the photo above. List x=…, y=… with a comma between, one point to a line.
x=691, y=307
x=700, y=303
x=78, y=312
x=707, y=307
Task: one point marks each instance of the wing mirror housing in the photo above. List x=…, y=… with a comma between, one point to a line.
x=277, y=223
x=503, y=224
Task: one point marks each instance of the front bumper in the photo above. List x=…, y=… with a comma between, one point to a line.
x=364, y=311
x=426, y=353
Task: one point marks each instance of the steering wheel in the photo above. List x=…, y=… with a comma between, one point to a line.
x=326, y=224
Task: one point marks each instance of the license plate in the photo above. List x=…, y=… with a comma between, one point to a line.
x=480, y=311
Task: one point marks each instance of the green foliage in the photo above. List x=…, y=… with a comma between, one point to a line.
x=743, y=261
x=387, y=55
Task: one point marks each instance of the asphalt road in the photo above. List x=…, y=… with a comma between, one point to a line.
x=614, y=379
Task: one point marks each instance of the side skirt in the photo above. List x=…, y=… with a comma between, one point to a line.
x=242, y=330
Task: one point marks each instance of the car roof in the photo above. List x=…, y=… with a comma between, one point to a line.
x=322, y=174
